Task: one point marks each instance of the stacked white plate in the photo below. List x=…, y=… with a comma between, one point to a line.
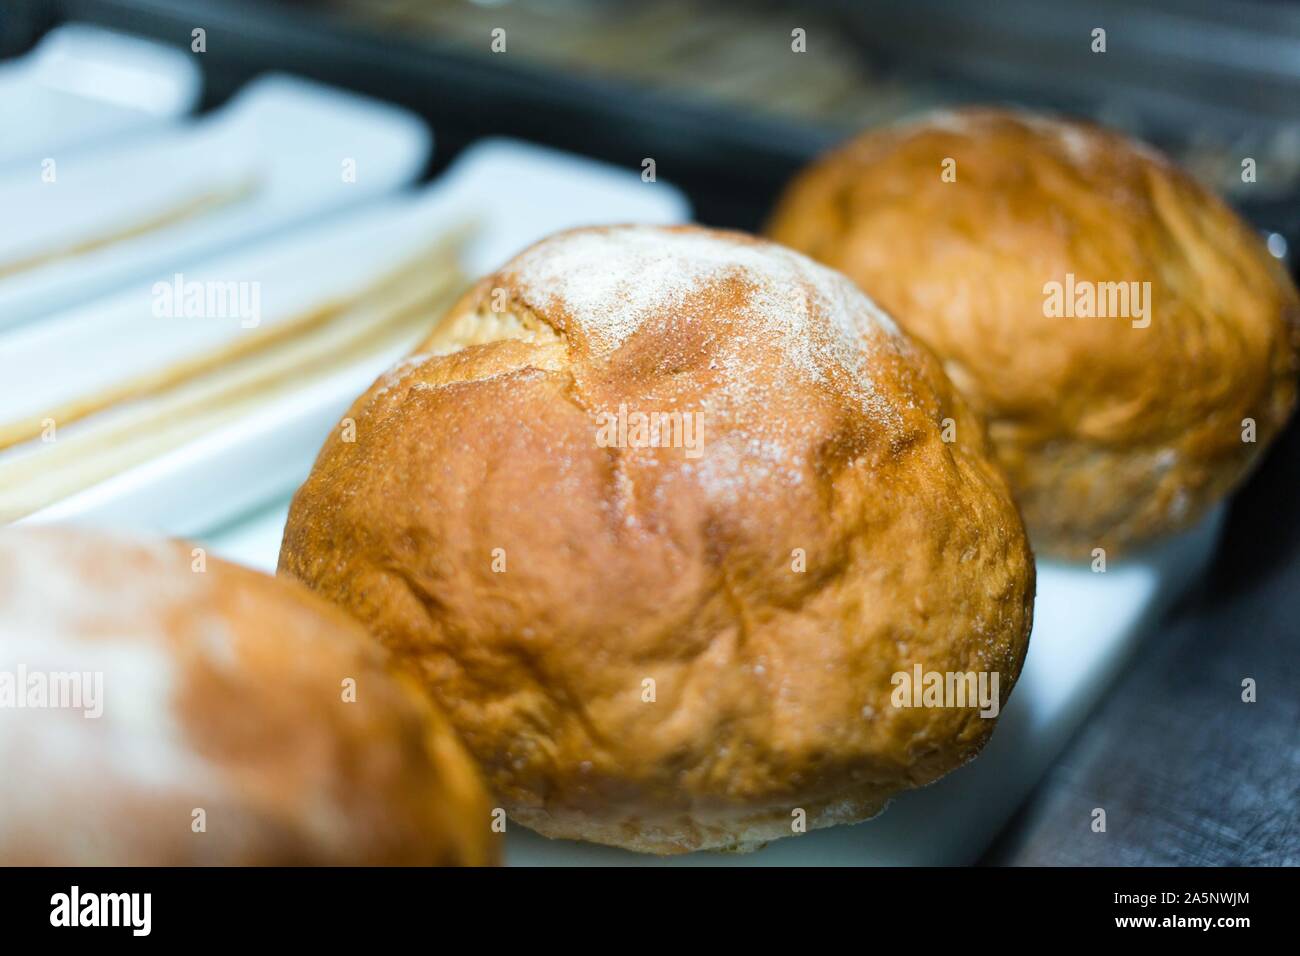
x=83, y=86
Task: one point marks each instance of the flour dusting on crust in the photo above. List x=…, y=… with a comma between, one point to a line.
x=1081, y=144
x=612, y=283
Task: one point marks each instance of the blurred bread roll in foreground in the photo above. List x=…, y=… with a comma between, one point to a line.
x=153, y=714
x=1128, y=339
x=678, y=632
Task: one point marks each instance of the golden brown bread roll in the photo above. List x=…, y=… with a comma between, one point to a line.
x=151, y=714
x=681, y=639
x=985, y=233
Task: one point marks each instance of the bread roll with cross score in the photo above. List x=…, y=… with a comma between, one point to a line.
x=659, y=650
x=1129, y=340
x=159, y=711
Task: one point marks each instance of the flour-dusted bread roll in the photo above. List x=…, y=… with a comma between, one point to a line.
x=676, y=632
x=156, y=711
x=1128, y=339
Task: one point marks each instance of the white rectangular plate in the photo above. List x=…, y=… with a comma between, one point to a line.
x=84, y=86
x=280, y=145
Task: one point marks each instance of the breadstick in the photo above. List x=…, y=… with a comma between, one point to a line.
x=143, y=432
x=186, y=209
x=439, y=255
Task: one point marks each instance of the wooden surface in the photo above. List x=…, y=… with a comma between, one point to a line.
x=1187, y=773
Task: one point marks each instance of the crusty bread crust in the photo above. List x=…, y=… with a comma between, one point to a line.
x=623, y=635
x=222, y=692
x=1110, y=434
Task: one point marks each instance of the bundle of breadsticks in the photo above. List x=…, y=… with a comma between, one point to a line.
x=143, y=416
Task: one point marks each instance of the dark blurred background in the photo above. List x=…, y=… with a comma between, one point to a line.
x=712, y=92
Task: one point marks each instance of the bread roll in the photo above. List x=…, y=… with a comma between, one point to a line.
x=1017, y=247
x=154, y=714
x=683, y=639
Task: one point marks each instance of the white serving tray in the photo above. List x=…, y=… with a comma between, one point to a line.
x=284, y=139
x=517, y=193
x=82, y=85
